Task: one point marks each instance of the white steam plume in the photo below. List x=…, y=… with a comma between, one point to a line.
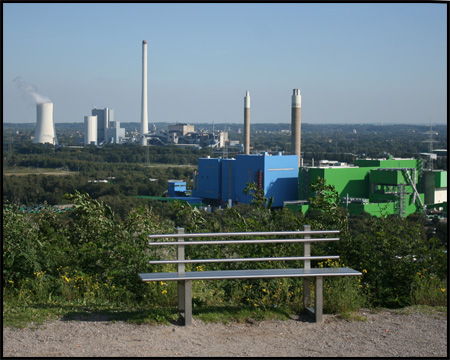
x=31, y=90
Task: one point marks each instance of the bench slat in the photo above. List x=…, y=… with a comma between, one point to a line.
x=287, y=258
x=248, y=274
x=246, y=233
x=253, y=241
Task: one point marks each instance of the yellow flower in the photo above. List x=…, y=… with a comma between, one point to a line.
x=364, y=271
x=264, y=290
x=164, y=292
x=443, y=290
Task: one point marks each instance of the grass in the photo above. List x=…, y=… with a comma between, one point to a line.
x=434, y=311
x=22, y=171
x=351, y=316
x=240, y=314
x=20, y=316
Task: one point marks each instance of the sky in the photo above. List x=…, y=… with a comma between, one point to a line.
x=353, y=63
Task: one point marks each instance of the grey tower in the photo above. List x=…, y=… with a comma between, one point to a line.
x=247, y=123
x=144, y=110
x=296, y=124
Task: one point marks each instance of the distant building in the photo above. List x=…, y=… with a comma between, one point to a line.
x=108, y=130
x=181, y=129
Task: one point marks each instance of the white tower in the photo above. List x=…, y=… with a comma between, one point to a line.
x=247, y=123
x=144, y=109
x=90, y=130
x=296, y=124
x=45, y=128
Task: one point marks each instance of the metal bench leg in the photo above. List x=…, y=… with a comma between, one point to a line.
x=307, y=294
x=319, y=299
x=317, y=311
x=185, y=301
x=184, y=287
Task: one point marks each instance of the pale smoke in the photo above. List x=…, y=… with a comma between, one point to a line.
x=30, y=90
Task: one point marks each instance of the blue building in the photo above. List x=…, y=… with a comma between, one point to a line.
x=176, y=188
x=225, y=179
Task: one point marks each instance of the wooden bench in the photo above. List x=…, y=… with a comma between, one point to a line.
x=307, y=273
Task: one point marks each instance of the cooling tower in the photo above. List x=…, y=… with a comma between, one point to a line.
x=144, y=110
x=90, y=130
x=45, y=128
x=296, y=124
x=247, y=124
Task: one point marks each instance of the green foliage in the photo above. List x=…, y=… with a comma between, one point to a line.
x=93, y=257
x=259, y=199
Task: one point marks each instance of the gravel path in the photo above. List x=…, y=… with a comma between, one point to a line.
x=385, y=333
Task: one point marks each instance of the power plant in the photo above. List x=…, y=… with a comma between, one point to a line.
x=144, y=109
x=45, y=127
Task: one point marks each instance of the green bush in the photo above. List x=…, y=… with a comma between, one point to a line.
x=92, y=256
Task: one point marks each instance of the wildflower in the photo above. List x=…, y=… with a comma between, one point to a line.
x=164, y=292
x=12, y=282
x=364, y=271
x=443, y=290
x=264, y=290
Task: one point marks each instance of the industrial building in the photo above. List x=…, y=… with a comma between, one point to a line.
x=224, y=180
x=108, y=130
x=376, y=186
x=90, y=130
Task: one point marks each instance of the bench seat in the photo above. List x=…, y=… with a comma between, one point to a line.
x=248, y=274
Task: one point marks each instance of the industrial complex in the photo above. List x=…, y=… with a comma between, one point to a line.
x=377, y=186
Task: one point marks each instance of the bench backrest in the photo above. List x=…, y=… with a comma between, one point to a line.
x=301, y=237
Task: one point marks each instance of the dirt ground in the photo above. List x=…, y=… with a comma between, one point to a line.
x=384, y=334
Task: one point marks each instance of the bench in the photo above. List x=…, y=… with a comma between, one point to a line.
x=308, y=274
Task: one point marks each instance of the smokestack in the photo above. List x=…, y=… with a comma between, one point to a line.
x=247, y=123
x=144, y=111
x=296, y=124
x=45, y=128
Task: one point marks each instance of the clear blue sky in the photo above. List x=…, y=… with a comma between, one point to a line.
x=353, y=63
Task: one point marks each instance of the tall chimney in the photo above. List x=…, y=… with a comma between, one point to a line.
x=247, y=124
x=144, y=110
x=296, y=124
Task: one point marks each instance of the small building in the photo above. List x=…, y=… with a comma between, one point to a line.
x=176, y=188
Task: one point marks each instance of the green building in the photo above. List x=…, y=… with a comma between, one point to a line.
x=377, y=186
